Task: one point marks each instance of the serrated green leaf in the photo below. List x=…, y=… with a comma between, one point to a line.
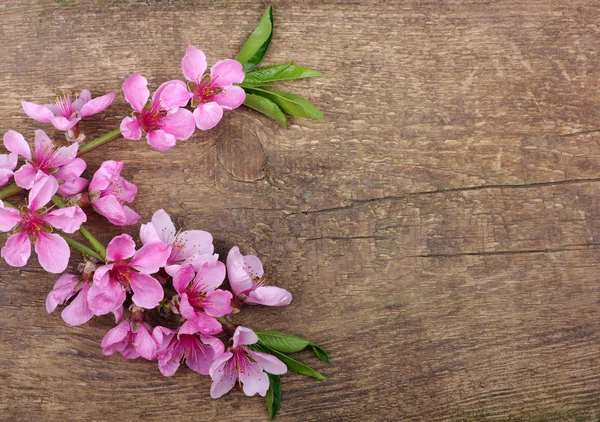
x=281, y=342
x=273, y=396
x=265, y=106
x=290, y=104
x=294, y=365
x=321, y=354
x=254, y=50
x=279, y=72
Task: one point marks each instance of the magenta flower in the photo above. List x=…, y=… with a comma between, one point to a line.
x=78, y=311
x=246, y=277
x=210, y=93
x=193, y=247
x=67, y=110
x=60, y=163
x=35, y=224
x=197, y=350
x=247, y=366
x=132, y=339
x=109, y=191
x=128, y=270
x=8, y=162
x=163, y=128
x=200, y=300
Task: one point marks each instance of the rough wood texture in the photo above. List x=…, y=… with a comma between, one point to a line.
x=439, y=229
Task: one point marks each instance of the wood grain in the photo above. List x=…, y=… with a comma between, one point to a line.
x=438, y=229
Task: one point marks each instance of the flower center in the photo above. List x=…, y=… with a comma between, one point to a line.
x=197, y=299
x=33, y=223
x=64, y=104
x=150, y=117
x=205, y=90
x=122, y=273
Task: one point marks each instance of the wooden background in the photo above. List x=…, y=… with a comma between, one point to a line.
x=439, y=228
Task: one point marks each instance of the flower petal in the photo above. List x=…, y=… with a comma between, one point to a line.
x=227, y=72
x=53, y=252
x=67, y=219
x=147, y=291
x=64, y=124
x=115, y=336
x=17, y=250
x=162, y=336
x=200, y=324
x=9, y=217
x=210, y=277
x=223, y=379
x=131, y=129
x=110, y=207
x=5, y=175
x=25, y=176
x=200, y=356
x=243, y=336
x=72, y=187
x=121, y=247
x=144, y=343
x=108, y=172
x=41, y=192
x=268, y=362
x=231, y=97
x=78, y=312
x=239, y=279
x=217, y=303
x=63, y=290
x=182, y=279
x=161, y=140
x=97, y=105
x=193, y=64
x=185, y=309
x=150, y=258
x=9, y=161
x=37, y=112
x=14, y=142
x=180, y=124
x=103, y=299
x=174, y=95
x=208, y=115
x=148, y=234
x=215, y=343
x=192, y=246
x=254, y=380
x=270, y=296
x=164, y=226
x=136, y=91
x=71, y=170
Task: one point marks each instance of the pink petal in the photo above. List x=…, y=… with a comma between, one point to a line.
x=14, y=142
x=67, y=219
x=108, y=172
x=208, y=115
x=148, y=234
x=239, y=279
x=162, y=336
x=114, y=337
x=193, y=64
x=110, y=207
x=201, y=324
x=65, y=155
x=131, y=217
x=147, y=291
x=9, y=218
x=37, y=112
x=144, y=343
x=103, y=299
x=9, y=161
x=200, y=358
x=136, y=91
x=185, y=309
x=243, y=336
x=63, y=290
x=254, y=266
x=269, y=296
x=72, y=187
x=164, y=226
x=71, y=171
x=5, y=175
x=216, y=344
x=227, y=72
x=64, y=124
x=150, y=258
x=17, y=250
x=168, y=365
x=97, y=105
x=182, y=279
x=43, y=147
x=223, y=379
x=218, y=303
x=121, y=247
x=210, y=277
x=131, y=129
x=78, y=312
x=124, y=191
x=230, y=98
x=254, y=380
x=161, y=140
x=41, y=192
x=193, y=245
x=269, y=362
x=179, y=124
x=53, y=252
x=173, y=96
x=25, y=176
x=118, y=313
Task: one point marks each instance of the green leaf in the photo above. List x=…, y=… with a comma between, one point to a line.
x=279, y=72
x=290, y=104
x=273, y=396
x=294, y=365
x=265, y=106
x=281, y=342
x=256, y=47
x=321, y=354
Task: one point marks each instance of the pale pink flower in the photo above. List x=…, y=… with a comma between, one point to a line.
x=128, y=270
x=193, y=247
x=109, y=192
x=35, y=224
x=132, y=339
x=8, y=162
x=197, y=350
x=60, y=163
x=163, y=128
x=210, y=93
x=246, y=278
x=67, y=110
x=200, y=300
x=78, y=311
x=243, y=364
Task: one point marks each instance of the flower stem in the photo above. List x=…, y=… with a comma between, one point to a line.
x=98, y=142
x=80, y=247
x=94, y=243
x=10, y=190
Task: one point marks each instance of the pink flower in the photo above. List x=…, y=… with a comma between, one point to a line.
x=128, y=270
x=163, y=128
x=247, y=366
x=200, y=300
x=60, y=163
x=109, y=191
x=197, y=350
x=246, y=277
x=35, y=224
x=210, y=94
x=8, y=162
x=132, y=339
x=78, y=311
x=189, y=247
x=67, y=110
